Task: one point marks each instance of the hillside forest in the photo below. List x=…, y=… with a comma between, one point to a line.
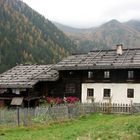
x=26, y=37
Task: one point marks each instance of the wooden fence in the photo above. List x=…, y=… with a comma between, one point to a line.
x=116, y=108
x=45, y=115
x=136, y=107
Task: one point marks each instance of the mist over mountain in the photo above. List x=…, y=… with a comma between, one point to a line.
x=106, y=36
x=26, y=37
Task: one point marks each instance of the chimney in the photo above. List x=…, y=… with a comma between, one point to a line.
x=119, y=49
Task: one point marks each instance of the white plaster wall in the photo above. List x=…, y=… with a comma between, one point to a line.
x=118, y=92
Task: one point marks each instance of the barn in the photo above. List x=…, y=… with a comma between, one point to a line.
x=28, y=82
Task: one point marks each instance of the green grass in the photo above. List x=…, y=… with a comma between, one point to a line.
x=93, y=127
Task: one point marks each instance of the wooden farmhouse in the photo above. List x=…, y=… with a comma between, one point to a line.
x=97, y=76
x=102, y=75
x=29, y=82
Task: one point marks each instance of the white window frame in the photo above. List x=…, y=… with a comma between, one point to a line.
x=130, y=74
x=107, y=74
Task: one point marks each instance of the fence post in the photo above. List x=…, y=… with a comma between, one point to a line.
x=18, y=121
x=69, y=111
x=131, y=111
x=110, y=106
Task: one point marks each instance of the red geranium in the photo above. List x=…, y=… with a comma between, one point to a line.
x=58, y=100
x=72, y=99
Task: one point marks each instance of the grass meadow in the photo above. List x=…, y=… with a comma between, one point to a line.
x=92, y=127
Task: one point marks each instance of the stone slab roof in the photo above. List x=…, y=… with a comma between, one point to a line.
x=101, y=59
x=26, y=76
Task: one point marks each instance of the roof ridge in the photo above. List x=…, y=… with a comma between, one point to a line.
x=114, y=49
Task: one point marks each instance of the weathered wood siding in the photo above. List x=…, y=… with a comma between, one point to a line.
x=69, y=84
x=77, y=77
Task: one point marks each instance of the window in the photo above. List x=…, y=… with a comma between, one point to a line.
x=90, y=74
x=130, y=74
x=107, y=93
x=106, y=74
x=130, y=93
x=70, y=73
x=90, y=92
x=70, y=88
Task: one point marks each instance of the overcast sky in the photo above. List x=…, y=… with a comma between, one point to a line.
x=86, y=13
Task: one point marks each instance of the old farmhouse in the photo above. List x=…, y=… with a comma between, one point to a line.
x=97, y=76
x=29, y=82
x=102, y=75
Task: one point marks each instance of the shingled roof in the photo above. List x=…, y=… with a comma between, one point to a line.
x=101, y=59
x=25, y=76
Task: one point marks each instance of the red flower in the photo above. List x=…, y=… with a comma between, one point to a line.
x=58, y=100
x=71, y=99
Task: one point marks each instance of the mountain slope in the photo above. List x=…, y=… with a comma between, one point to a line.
x=82, y=37
x=114, y=32
x=69, y=29
x=134, y=24
x=27, y=37
x=108, y=35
